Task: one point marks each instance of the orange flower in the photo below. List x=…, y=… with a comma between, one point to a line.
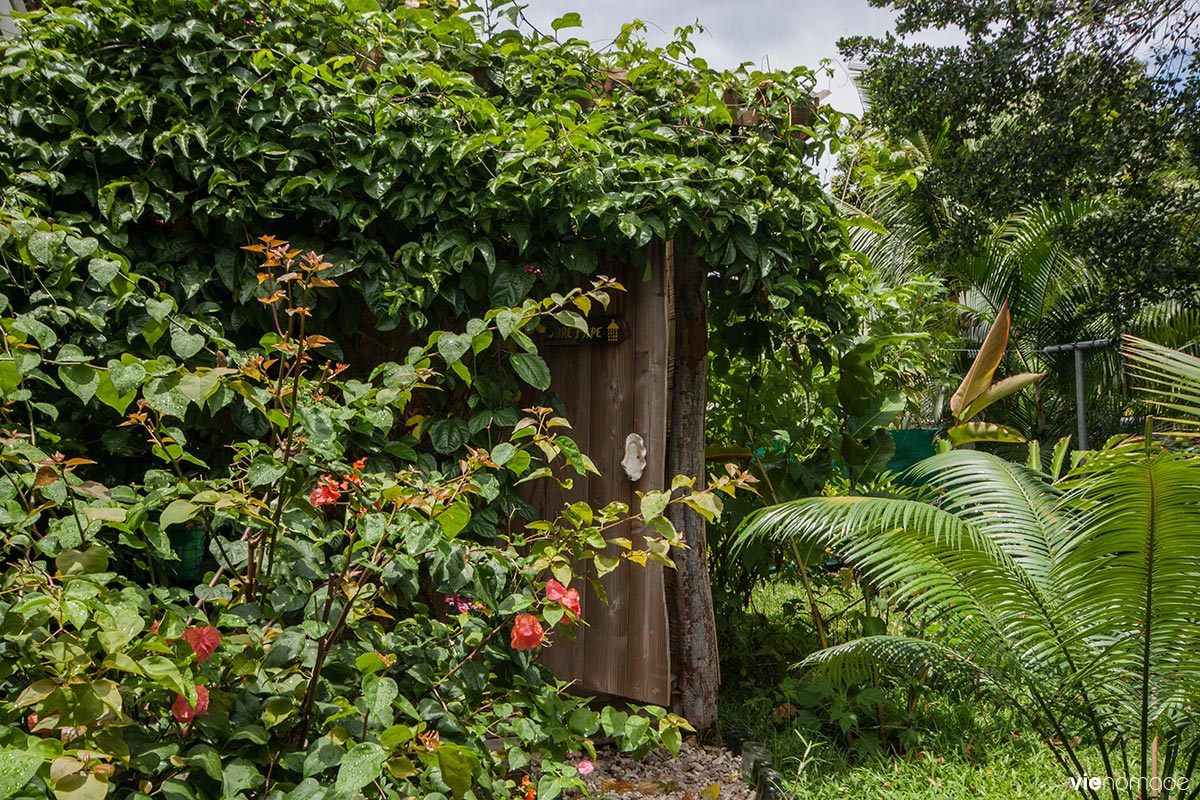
x=326, y=492
x=527, y=633
x=555, y=591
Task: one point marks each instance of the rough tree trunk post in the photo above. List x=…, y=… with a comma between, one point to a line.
x=693, y=626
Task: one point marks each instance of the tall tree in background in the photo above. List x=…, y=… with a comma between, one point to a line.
x=1048, y=102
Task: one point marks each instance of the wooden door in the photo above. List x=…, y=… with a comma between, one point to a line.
x=609, y=391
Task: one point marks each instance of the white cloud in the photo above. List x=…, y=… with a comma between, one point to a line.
x=774, y=33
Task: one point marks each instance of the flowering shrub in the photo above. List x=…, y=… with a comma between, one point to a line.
x=346, y=637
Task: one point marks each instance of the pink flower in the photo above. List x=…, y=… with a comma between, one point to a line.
x=527, y=633
x=460, y=603
x=586, y=767
x=184, y=712
x=204, y=641
x=567, y=598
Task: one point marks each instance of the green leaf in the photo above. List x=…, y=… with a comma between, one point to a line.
x=103, y=270
x=982, y=432
x=81, y=379
x=17, y=768
x=882, y=410
x=447, y=435
x=570, y=319
x=90, y=560
x=276, y=711
x=507, y=321
x=707, y=504
x=164, y=396
x=178, y=511
x=532, y=369
x=454, y=518
x=199, y=386
x=71, y=354
x=81, y=786
x=453, y=346
x=126, y=377
x=583, y=721
x=672, y=739
x=106, y=393
x=378, y=694
x=264, y=469
x=458, y=768
x=361, y=765
x=572, y=20
x=166, y=673
x=519, y=462
x=503, y=453
x=654, y=504
x=40, y=332
x=160, y=309
x=186, y=344
x=238, y=776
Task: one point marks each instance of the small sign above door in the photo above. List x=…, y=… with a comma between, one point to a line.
x=603, y=329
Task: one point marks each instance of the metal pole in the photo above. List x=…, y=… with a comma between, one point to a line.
x=1079, y=348
x=1080, y=407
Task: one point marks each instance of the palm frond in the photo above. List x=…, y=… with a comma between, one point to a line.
x=936, y=665
x=1016, y=507
x=1170, y=379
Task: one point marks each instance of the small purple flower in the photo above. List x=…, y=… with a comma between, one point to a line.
x=534, y=269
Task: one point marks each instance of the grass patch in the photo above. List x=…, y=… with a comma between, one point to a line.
x=825, y=742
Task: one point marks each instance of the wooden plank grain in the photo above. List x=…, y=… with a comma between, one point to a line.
x=609, y=391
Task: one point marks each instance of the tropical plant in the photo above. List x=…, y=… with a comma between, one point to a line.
x=978, y=391
x=1170, y=380
x=822, y=402
x=1073, y=601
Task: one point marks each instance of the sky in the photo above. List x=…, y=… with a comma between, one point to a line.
x=778, y=33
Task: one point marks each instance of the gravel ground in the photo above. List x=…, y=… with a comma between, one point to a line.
x=697, y=773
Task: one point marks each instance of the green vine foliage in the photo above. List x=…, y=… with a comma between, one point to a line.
x=456, y=160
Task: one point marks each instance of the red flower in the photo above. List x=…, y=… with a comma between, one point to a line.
x=571, y=602
x=204, y=641
x=567, y=598
x=358, y=465
x=326, y=492
x=527, y=633
x=184, y=712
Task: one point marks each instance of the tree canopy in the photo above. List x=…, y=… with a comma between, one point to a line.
x=1052, y=102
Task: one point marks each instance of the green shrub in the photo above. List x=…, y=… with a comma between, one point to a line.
x=368, y=617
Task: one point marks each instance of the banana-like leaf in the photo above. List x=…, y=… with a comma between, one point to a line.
x=879, y=414
x=979, y=376
x=969, y=432
x=1011, y=384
